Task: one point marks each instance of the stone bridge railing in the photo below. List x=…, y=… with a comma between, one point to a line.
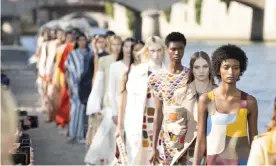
x=260, y=4
x=18, y=7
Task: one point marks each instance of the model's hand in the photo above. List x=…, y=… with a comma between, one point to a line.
x=178, y=127
x=155, y=158
x=119, y=132
x=115, y=119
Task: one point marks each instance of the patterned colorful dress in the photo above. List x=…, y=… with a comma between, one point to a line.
x=164, y=85
x=227, y=139
x=148, y=120
x=147, y=129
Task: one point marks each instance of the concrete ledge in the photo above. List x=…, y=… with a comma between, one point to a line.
x=13, y=47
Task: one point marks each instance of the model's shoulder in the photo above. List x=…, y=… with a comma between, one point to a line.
x=251, y=99
x=142, y=65
x=51, y=41
x=261, y=138
x=103, y=59
x=114, y=64
x=186, y=69
x=61, y=47
x=155, y=76
x=206, y=97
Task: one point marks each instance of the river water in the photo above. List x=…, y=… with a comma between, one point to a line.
x=258, y=80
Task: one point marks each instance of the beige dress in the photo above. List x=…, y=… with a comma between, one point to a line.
x=187, y=97
x=263, y=149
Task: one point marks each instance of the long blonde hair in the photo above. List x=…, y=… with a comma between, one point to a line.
x=8, y=125
x=144, y=51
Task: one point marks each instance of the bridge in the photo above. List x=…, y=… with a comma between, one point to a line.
x=259, y=4
x=53, y=8
x=12, y=9
x=257, y=27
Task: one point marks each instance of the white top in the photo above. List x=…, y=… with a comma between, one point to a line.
x=114, y=88
x=42, y=59
x=50, y=62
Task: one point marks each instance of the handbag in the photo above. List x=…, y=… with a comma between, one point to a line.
x=120, y=158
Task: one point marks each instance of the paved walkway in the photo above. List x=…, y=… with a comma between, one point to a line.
x=50, y=147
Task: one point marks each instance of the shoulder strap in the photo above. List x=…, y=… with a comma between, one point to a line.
x=211, y=95
x=243, y=99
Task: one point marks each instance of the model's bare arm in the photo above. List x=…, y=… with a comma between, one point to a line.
x=252, y=117
x=121, y=113
x=158, y=118
x=96, y=63
x=200, y=146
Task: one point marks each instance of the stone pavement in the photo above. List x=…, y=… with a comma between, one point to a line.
x=50, y=147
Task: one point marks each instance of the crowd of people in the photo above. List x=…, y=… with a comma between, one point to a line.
x=128, y=106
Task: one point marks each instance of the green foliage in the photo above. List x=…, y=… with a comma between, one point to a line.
x=167, y=13
x=198, y=7
x=131, y=21
x=109, y=9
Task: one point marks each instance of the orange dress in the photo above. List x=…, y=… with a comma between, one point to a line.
x=63, y=112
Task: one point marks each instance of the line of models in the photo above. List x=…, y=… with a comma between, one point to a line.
x=166, y=114
x=174, y=115
x=65, y=63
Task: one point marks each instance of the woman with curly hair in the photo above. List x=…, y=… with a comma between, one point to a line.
x=223, y=113
x=263, y=149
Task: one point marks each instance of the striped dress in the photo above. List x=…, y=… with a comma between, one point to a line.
x=75, y=68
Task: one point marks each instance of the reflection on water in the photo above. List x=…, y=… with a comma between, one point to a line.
x=259, y=80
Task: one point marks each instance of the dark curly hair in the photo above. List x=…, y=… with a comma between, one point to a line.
x=225, y=52
x=175, y=37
